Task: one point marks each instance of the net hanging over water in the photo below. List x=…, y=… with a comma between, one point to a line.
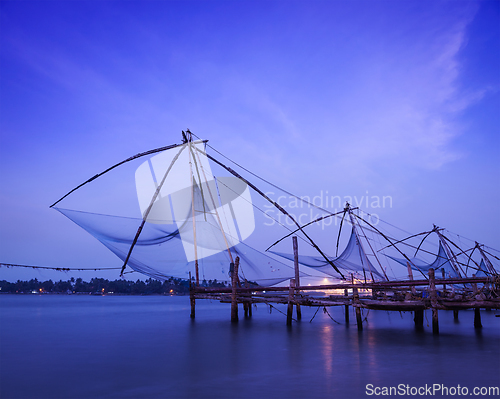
x=353, y=259
x=181, y=215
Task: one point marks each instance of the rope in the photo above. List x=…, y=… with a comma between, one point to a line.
x=317, y=310
x=271, y=306
x=59, y=269
x=326, y=311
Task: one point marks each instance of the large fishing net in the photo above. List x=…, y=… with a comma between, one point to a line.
x=180, y=212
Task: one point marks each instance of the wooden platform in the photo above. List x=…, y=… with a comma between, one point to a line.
x=436, y=294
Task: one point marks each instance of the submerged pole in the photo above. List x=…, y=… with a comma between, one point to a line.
x=247, y=305
x=433, y=293
x=191, y=297
x=477, y=318
x=234, y=283
x=296, y=267
x=291, y=293
x=346, y=294
x=477, y=314
x=418, y=318
x=355, y=297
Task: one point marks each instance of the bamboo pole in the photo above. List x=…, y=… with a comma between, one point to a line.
x=148, y=210
x=387, y=285
x=280, y=208
x=169, y=147
x=214, y=206
x=291, y=292
x=194, y=218
x=234, y=283
x=296, y=267
x=433, y=295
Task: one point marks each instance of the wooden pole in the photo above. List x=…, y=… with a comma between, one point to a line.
x=234, y=283
x=296, y=267
x=418, y=318
x=477, y=314
x=193, y=210
x=477, y=318
x=247, y=306
x=346, y=294
x=443, y=274
x=359, y=321
x=410, y=276
x=291, y=295
x=455, y=315
x=433, y=294
x=191, y=297
x=249, y=303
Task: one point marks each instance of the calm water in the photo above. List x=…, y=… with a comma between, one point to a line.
x=75, y=346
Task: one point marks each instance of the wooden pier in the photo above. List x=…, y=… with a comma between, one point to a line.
x=437, y=294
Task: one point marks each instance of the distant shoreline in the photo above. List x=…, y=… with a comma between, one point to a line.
x=100, y=286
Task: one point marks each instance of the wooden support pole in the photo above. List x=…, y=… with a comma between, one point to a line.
x=433, y=294
x=477, y=318
x=359, y=321
x=455, y=315
x=191, y=297
x=234, y=286
x=291, y=294
x=443, y=274
x=418, y=318
x=477, y=314
x=410, y=276
x=296, y=267
x=346, y=294
x=247, y=306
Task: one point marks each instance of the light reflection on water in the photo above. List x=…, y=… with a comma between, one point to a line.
x=148, y=347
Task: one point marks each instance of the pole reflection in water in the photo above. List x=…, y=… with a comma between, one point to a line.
x=57, y=346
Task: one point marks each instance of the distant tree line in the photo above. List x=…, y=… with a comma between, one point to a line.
x=103, y=286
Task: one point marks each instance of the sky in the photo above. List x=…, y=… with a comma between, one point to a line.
x=351, y=98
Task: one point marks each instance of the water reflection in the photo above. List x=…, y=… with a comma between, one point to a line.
x=147, y=347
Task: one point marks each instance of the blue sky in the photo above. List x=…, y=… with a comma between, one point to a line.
x=393, y=98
